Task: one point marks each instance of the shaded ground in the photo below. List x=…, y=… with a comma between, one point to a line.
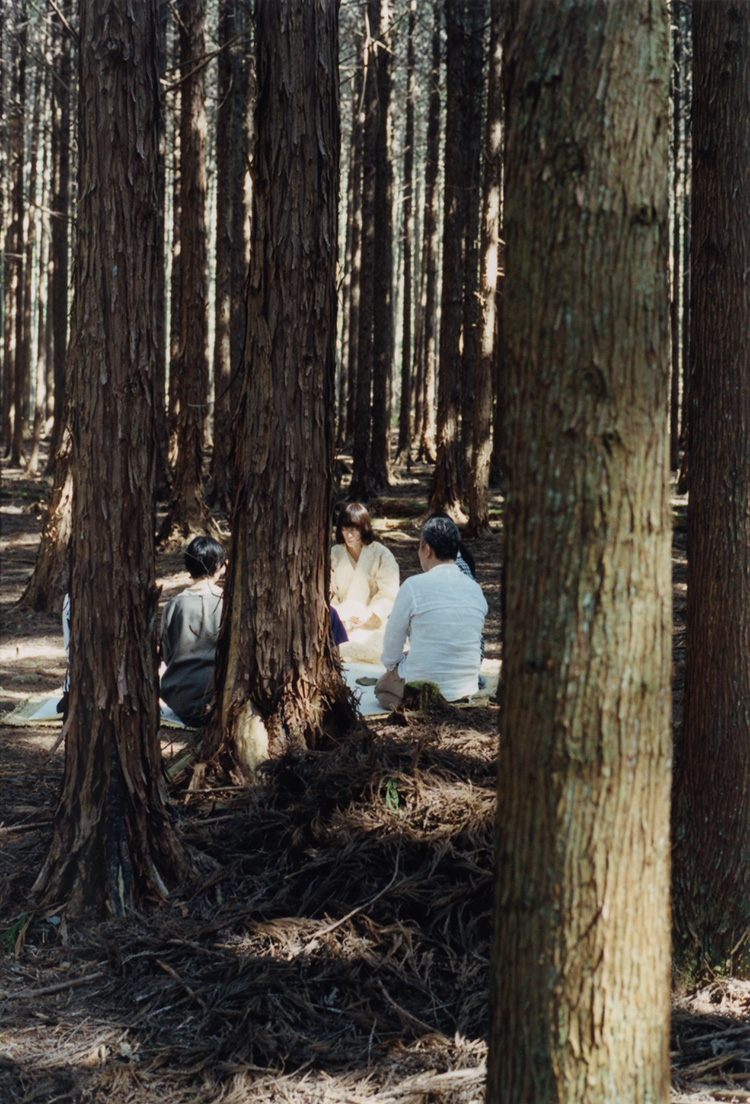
x=332, y=941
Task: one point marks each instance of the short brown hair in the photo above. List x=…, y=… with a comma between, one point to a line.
x=354, y=516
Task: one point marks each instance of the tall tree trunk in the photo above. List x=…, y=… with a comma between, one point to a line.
x=383, y=332
x=487, y=344
x=404, y=414
x=187, y=513
x=175, y=273
x=59, y=218
x=711, y=803
x=361, y=485
x=163, y=474
x=274, y=651
x=343, y=325
x=14, y=243
x=580, y=959
x=355, y=190
x=676, y=283
x=230, y=250
x=684, y=16
x=112, y=845
x=38, y=190
x=476, y=14
x=430, y=245
x=446, y=484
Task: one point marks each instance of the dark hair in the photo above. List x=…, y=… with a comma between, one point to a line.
x=355, y=516
x=443, y=537
x=203, y=557
x=463, y=551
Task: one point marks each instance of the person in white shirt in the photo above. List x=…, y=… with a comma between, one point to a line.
x=441, y=613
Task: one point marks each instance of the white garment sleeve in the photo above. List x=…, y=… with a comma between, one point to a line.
x=385, y=584
x=397, y=629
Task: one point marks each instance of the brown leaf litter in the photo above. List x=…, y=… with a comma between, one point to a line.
x=332, y=944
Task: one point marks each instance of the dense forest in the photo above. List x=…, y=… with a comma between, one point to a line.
x=259, y=258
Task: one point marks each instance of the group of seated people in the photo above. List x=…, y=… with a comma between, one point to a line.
x=440, y=614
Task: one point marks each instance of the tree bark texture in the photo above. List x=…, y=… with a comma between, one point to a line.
x=476, y=15
x=355, y=194
x=711, y=811
x=383, y=308
x=231, y=160
x=490, y=256
x=187, y=512
x=59, y=275
x=14, y=244
x=446, y=484
x=361, y=486
x=163, y=473
x=404, y=414
x=39, y=201
x=274, y=651
x=112, y=844
x=427, y=368
x=580, y=959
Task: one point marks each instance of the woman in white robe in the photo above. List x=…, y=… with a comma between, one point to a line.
x=364, y=584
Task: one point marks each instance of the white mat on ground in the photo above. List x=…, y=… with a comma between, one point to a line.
x=361, y=678
x=41, y=709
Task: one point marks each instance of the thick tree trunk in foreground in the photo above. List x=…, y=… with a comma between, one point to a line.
x=274, y=651
x=580, y=961
x=711, y=810
x=112, y=845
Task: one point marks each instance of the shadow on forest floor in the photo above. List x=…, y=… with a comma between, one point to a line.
x=331, y=942
x=332, y=938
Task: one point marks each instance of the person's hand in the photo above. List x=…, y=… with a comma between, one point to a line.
x=353, y=622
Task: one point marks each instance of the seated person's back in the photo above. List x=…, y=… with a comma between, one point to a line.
x=441, y=612
x=189, y=632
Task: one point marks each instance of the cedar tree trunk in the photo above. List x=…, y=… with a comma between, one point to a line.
x=487, y=343
x=711, y=810
x=274, y=652
x=187, y=513
x=580, y=959
x=112, y=844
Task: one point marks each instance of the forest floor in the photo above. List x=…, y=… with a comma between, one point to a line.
x=331, y=942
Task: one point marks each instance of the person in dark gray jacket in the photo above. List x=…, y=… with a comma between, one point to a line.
x=189, y=631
